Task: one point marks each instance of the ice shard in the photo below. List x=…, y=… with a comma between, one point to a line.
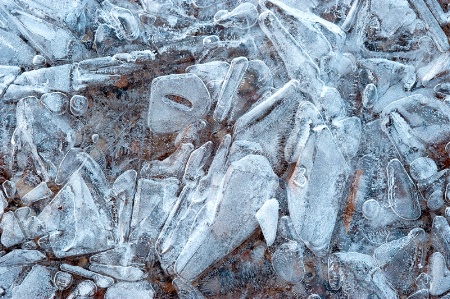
x=317, y=162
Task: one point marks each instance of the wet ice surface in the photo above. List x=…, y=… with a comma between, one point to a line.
x=224, y=149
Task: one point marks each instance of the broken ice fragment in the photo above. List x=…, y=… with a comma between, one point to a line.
x=347, y=132
x=185, y=290
x=440, y=236
x=20, y=257
x=420, y=294
x=71, y=162
x=209, y=242
x=31, y=226
x=286, y=229
x=402, y=194
x=74, y=221
x=287, y=262
x=84, y=289
x=307, y=28
x=3, y=204
x=39, y=60
x=123, y=254
x=315, y=193
x=400, y=133
x=12, y=233
x=131, y=290
x=402, y=259
x=419, y=121
x=177, y=101
x=351, y=15
x=438, y=66
x=8, y=279
x=53, y=42
x=197, y=160
x=267, y=217
x=440, y=275
x=56, y=102
x=297, y=62
x=268, y=122
x=194, y=198
x=358, y=275
x=100, y=280
x=172, y=166
x=9, y=188
x=39, y=192
x=7, y=75
x=43, y=134
x=37, y=284
x=62, y=280
x=14, y=50
x=422, y=168
x=256, y=85
x=152, y=204
x=210, y=71
x=243, y=16
x=122, y=20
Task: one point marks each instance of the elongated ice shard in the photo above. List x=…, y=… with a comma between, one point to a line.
x=123, y=273
x=230, y=85
x=268, y=122
x=435, y=29
x=100, y=280
x=123, y=191
x=327, y=33
x=304, y=30
x=298, y=63
x=267, y=217
x=440, y=236
x=315, y=186
x=130, y=290
x=172, y=166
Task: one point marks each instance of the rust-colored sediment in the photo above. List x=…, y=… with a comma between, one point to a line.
x=352, y=199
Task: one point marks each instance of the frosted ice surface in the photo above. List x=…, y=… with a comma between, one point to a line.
x=224, y=149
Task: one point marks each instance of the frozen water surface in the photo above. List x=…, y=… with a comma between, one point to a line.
x=224, y=149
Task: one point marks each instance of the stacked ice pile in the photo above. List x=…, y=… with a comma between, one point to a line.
x=224, y=149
